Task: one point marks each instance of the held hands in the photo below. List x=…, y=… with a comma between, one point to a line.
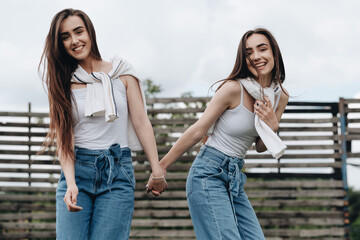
x=266, y=113
x=157, y=183
x=70, y=198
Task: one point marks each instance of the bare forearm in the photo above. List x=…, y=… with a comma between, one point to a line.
x=68, y=168
x=184, y=143
x=146, y=136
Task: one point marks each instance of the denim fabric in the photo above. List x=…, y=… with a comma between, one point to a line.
x=106, y=183
x=219, y=206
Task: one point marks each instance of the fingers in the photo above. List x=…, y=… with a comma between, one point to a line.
x=156, y=186
x=74, y=198
x=148, y=190
x=267, y=101
x=155, y=193
x=159, y=185
x=70, y=200
x=258, y=108
x=263, y=108
x=266, y=113
x=257, y=111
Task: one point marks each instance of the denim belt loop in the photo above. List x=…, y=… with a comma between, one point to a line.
x=202, y=150
x=106, y=161
x=226, y=160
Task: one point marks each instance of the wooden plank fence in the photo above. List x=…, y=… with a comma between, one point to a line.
x=301, y=196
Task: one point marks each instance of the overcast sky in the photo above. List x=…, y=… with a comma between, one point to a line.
x=188, y=45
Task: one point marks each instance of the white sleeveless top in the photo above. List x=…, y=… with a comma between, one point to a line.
x=234, y=131
x=93, y=132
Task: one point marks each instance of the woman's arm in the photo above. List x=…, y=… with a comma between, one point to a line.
x=271, y=118
x=143, y=129
x=68, y=168
x=227, y=96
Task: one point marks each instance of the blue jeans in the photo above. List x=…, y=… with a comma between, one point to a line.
x=106, y=183
x=219, y=206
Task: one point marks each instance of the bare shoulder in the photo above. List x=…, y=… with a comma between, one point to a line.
x=284, y=98
x=128, y=80
x=229, y=94
x=231, y=87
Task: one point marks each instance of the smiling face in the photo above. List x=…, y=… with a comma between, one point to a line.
x=260, y=53
x=75, y=38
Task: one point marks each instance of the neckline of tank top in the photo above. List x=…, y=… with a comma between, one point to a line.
x=78, y=89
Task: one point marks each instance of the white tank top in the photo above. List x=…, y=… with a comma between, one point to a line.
x=234, y=131
x=93, y=132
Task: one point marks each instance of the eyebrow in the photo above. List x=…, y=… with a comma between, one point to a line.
x=74, y=30
x=260, y=45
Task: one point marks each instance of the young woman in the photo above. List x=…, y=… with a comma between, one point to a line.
x=97, y=116
x=247, y=107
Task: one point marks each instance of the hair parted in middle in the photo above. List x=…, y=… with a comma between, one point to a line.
x=241, y=70
x=58, y=68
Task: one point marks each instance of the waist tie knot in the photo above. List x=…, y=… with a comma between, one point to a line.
x=236, y=176
x=105, y=164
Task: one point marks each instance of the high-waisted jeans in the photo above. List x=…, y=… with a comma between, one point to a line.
x=106, y=183
x=219, y=206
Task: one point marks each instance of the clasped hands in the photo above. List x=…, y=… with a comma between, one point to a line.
x=157, y=183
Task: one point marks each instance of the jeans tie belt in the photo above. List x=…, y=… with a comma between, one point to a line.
x=236, y=176
x=105, y=164
x=237, y=180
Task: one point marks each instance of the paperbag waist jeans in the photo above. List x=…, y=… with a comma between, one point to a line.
x=219, y=206
x=106, y=183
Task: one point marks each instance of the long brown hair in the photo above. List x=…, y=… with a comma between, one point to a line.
x=58, y=67
x=241, y=70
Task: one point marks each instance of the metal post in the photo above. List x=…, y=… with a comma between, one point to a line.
x=29, y=154
x=343, y=125
x=29, y=143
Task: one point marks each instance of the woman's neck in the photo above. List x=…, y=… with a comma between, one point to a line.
x=264, y=81
x=91, y=65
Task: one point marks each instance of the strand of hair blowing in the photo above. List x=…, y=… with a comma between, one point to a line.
x=59, y=67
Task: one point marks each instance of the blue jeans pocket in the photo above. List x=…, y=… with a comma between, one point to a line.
x=198, y=178
x=210, y=169
x=127, y=170
x=189, y=182
x=211, y=175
